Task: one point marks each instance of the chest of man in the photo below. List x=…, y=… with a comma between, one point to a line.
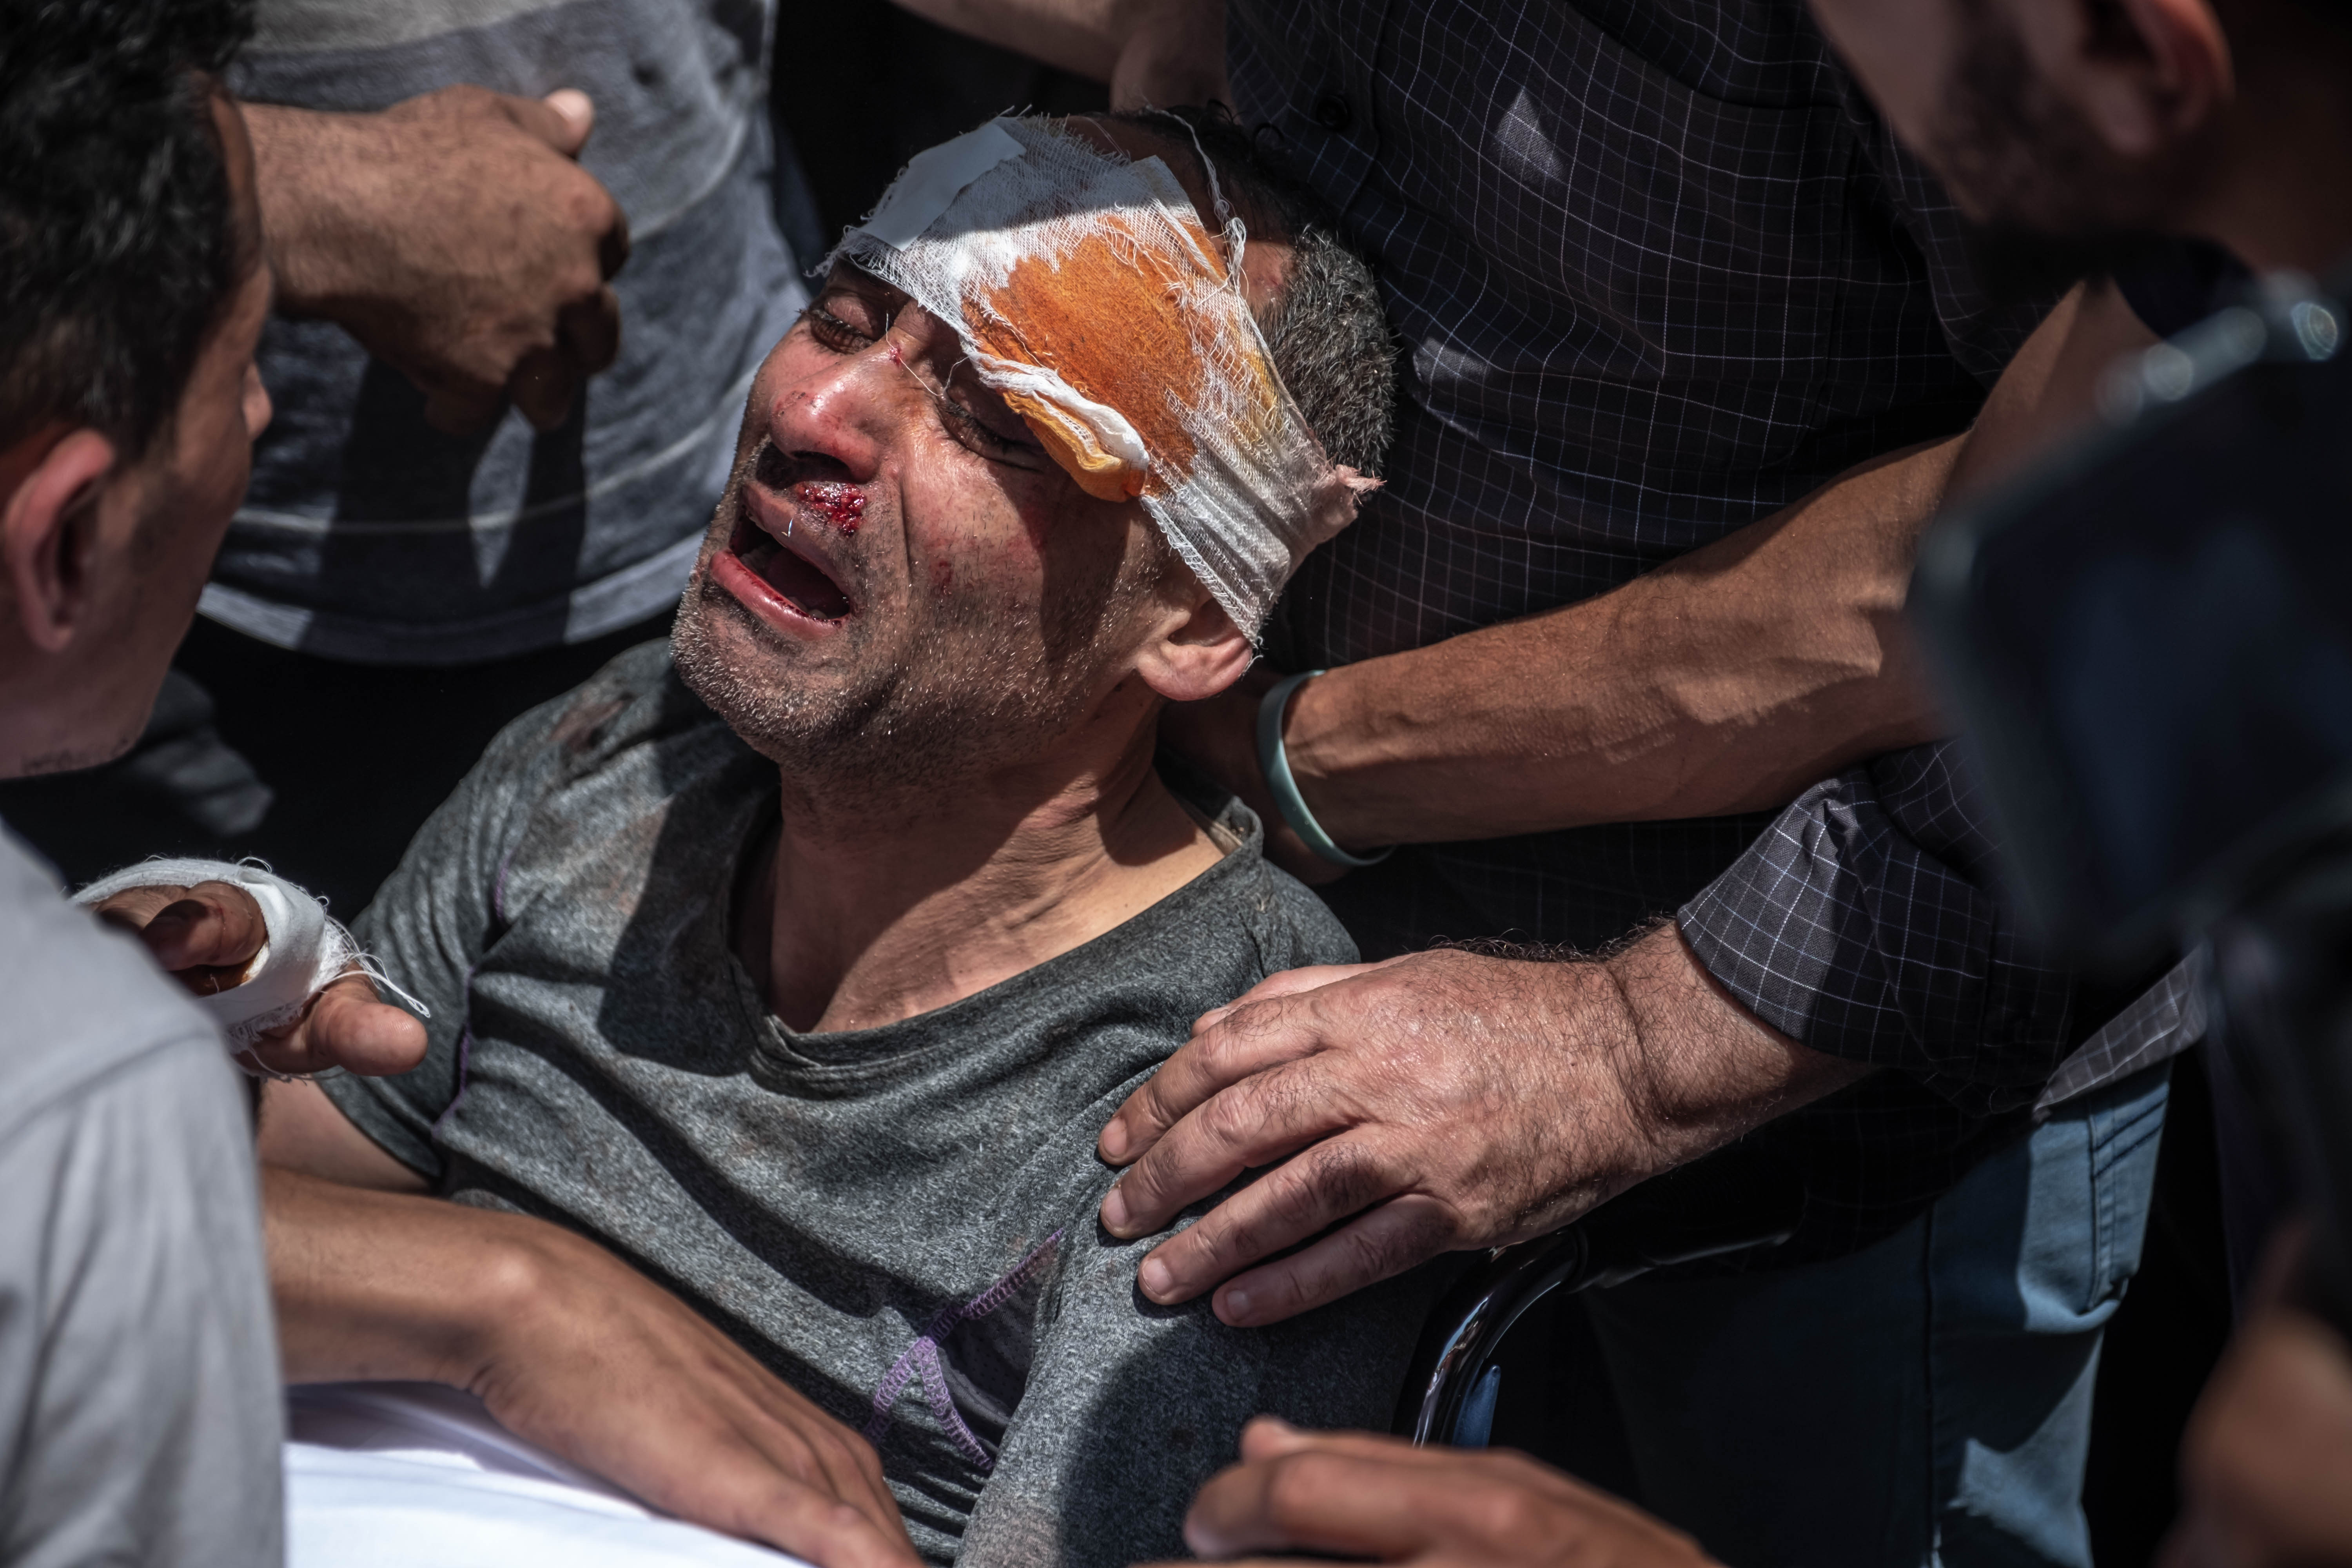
x=878, y=1214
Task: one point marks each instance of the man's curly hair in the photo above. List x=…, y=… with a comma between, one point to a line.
x=118, y=247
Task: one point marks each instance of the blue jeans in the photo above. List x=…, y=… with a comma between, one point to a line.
x=1925, y=1401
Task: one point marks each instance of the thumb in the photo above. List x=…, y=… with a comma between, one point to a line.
x=578, y=113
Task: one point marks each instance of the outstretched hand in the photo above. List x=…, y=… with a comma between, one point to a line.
x=1355, y=1495
x=1432, y=1103
x=207, y=938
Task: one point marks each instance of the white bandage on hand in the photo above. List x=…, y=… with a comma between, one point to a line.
x=303, y=952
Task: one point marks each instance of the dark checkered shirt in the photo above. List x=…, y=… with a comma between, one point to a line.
x=1659, y=272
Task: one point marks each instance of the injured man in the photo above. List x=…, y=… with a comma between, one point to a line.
x=781, y=979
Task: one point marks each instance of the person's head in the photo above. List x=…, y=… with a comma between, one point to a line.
x=904, y=585
x=2099, y=122
x=133, y=289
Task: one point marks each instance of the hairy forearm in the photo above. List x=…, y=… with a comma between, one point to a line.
x=316, y=173
x=1729, y=679
x=1695, y=1068
x=373, y=1285
x=1726, y=680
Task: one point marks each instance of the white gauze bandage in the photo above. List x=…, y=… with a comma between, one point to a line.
x=304, y=951
x=1091, y=297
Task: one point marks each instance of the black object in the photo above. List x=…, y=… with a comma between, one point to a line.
x=2149, y=641
x=1737, y=1198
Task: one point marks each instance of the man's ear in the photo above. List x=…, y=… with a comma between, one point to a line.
x=49, y=527
x=2145, y=74
x=1198, y=655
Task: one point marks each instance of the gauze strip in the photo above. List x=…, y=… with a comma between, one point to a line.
x=304, y=953
x=1089, y=295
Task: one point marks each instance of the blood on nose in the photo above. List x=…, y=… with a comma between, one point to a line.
x=844, y=506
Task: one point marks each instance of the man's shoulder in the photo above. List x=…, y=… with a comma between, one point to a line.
x=83, y=1003
x=1312, y=933
x=634, y=705
x=586, y=781
x=1292, y=926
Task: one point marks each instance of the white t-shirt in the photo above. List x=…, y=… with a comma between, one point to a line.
x=139, y=1408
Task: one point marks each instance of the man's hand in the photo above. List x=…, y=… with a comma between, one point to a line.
x=1432, y=1103
x=1173, y=52
x=207, y=936
x=454, y=236
x=2266, y=1463
x=576, y=1351
x=1354, y=1495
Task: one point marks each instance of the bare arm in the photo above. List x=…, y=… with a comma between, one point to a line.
x=1728, y=680
x=1433, y=1103
x=567, y=1345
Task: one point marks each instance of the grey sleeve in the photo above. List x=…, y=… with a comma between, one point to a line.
x=432, y=921
x=140, y=1418
x=1130, y=1407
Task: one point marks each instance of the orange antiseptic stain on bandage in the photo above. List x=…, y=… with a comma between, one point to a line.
x=1113, y=314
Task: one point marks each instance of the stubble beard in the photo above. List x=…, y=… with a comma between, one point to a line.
x=959, y=699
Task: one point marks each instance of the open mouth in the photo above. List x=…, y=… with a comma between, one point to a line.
x=800, y=583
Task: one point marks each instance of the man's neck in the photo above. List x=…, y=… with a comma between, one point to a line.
x=866, y=914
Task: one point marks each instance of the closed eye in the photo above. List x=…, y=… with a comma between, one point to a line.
x=838, y=334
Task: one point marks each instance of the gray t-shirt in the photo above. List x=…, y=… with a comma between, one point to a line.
x=140, y=1418
x=367, y=534
x=899, y=1221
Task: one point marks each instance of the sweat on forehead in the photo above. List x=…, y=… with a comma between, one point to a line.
x=1089, y=294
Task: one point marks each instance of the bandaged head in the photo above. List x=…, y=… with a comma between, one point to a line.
x=1090, y=296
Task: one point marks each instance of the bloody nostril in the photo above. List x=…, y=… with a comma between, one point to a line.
x=842, y=505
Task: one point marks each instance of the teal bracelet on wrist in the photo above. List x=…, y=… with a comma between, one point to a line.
x=1276, y=765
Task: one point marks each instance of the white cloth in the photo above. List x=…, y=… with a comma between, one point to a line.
x=304, y=953
x=139, y=1409
x=391, y=1475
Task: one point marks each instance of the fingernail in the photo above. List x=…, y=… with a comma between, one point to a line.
x=1114, y=1142
x=1114, y=1213
x=1233, y=1307
x=168, y=931
x=1156, y=1277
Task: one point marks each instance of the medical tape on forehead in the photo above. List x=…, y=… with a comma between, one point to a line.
x=1089, y=295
